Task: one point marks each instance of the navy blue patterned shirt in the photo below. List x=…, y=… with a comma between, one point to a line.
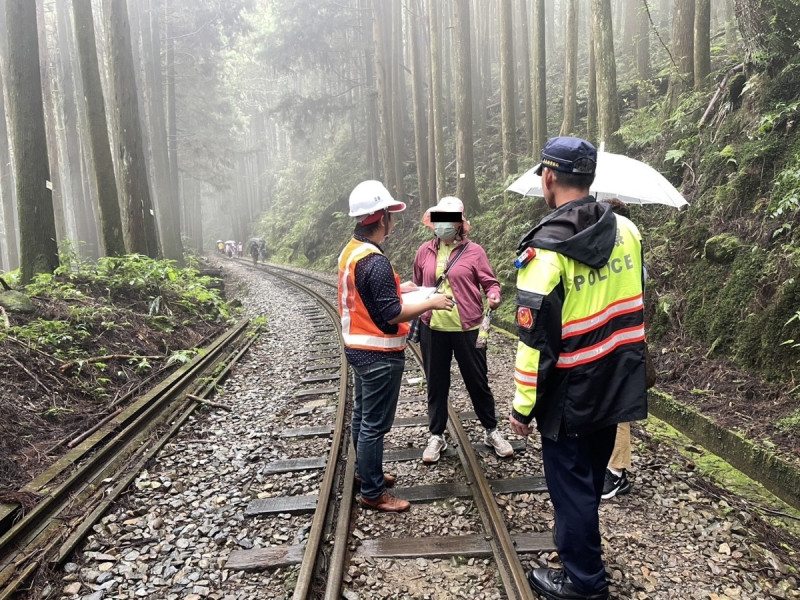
x=376, y=286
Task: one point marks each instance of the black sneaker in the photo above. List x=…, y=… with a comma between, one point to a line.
x=615, y=485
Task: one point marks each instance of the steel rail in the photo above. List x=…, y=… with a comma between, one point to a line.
x=29, y=536
x=339, y=445
x=147, y=453
x=512, y=572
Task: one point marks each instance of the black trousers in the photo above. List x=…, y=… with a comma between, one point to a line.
x=575, y=469
x=438, y=348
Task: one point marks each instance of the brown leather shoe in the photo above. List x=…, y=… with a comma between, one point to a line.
x=385, y=503
x=389, y=479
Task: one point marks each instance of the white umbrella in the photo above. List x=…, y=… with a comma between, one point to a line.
x=617, y=176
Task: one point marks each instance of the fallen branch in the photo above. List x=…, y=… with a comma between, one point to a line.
x=28, y=348
x=209, y=402
x=36, y=379
x=720, y=88
x=95, y=359
x=96, y=426
x=6, y=287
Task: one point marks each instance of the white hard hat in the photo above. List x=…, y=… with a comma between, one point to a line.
x=449, y=204
x=371, y=196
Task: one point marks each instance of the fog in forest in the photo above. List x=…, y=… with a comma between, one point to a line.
x=164, y=126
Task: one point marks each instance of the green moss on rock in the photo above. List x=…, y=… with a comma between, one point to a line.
x=720, y=296
x=759, y=339
x=14, y=301
x=663, y=317
x=722, y=249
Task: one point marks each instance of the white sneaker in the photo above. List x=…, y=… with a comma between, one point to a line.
x=436, y=445
x=501, y=447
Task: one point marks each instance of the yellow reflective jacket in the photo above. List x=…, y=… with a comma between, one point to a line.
x=580, y=362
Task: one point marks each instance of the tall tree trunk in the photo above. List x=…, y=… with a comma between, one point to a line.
x=37, y=227
x=730, y=26
x=425, y=42
x=397, y=97
x=571, y=69
x=193, y=204
x=769, y=31
x=437, y=96
x=681, y=78
x=88, y=207
x=172, y=115
x=10, y=226
x=481, y=66
x=140, y=231
x=168, y=209
x=84, y=220
x=702, y=43
x=51, y=125
x=465, y=184
x=630, y=26
x=382, y=33
x=418, y=78
x=550, y=27
x=448, y=42
x=507, y=89
x=111, y=222
x=643, y=59
x=373, y=154
x=525, y=70
x=10, y=223
x=539, y=79
x=606, y=66
x=591, y=95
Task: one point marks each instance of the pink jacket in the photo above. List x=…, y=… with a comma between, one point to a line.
x=470, y=273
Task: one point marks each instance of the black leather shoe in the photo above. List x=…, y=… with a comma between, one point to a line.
x=555, y=585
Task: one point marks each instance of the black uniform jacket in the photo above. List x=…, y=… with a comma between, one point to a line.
x=589, y=396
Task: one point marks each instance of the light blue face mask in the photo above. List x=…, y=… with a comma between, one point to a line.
x=445, y=231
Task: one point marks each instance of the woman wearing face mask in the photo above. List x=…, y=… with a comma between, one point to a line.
x=447, y=333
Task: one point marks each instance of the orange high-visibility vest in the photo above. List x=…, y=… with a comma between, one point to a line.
x=358, y=329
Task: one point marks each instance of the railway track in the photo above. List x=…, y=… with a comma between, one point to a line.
x=189, y=517
x=75, y=491
x=336, y=536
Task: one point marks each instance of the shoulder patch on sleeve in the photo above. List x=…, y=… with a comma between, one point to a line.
x=525, y=317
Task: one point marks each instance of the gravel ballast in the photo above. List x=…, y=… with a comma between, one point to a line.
x=674, y=536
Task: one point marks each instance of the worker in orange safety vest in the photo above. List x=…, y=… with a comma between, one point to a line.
x=374, y=326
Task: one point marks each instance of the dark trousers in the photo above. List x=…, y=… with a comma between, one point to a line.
x=438, y=348
x=575, y=469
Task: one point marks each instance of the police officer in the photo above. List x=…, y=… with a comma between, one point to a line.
x=580, y=365
x=374, y=328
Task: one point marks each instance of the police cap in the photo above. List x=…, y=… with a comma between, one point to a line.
x=568, y=155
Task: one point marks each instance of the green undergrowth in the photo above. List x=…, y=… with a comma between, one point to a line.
x=109, y=321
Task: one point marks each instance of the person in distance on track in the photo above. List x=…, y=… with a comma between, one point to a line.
x=460, y=268
x=374, y=328
x=580, y=366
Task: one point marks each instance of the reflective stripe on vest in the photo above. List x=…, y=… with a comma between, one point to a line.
x=358, y=329
x=525, y=378
x=585, y=355
x=586, y=324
